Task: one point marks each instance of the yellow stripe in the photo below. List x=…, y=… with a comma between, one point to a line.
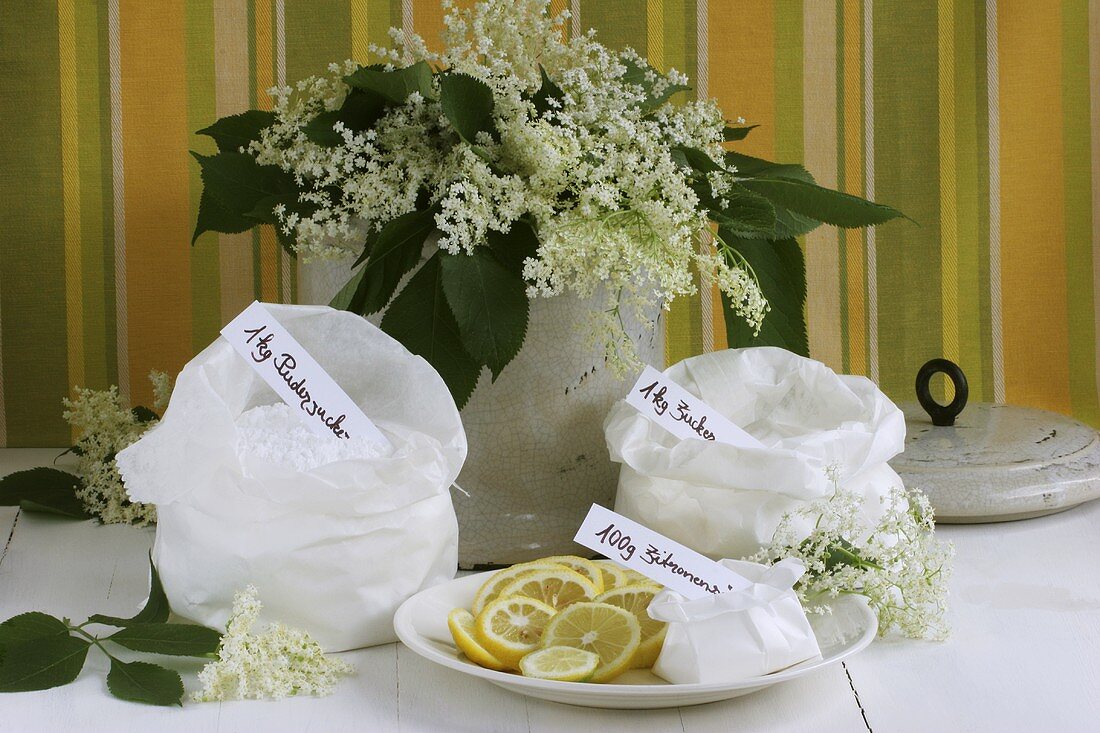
x=70, y=183
x=359, y=26
x=822, y=256
x=655, y=33
x=853, y=179
x=1094, y=113
x=1033, y=267
x=949, y=245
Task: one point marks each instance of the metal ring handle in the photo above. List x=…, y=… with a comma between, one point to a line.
x=942, y=415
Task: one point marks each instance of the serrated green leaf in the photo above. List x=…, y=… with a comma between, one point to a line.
x=395, y=251
x=781, y=272
x=144, y=682
x=213, y=217
x=420, y=318
x=155, y=610
x=344, y=296
x=30, y=626
x=44, y=489
x=236, y=183
x=733, y=134
x=489, y=304
x=40, y=664
x=468, y=105
x=184, y=640
x=548, y=91
x=750, y=167
x=394, y=86
x=237, y=131
x=697, y=159
x=822, y=204
x=360, y=111
x=747, y=214
x=514, y=247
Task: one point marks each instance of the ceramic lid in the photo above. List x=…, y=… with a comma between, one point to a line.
x=996, y=462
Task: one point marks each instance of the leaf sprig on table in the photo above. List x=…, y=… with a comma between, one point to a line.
x=39, y=651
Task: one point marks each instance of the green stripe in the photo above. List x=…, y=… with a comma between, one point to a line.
x=92, y=65
x=967, y=205
x=381, y=16
x=32, y=256
x=317, y=33
x=618, y=23
x=1078, y=209
x=201, y=111
x=842, y=235
x=789, y=105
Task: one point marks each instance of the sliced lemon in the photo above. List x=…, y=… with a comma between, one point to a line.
x=558, y=586
x=636, y=599
x=608, y=631
x=461, y=623
x=509, y=628
x=613, y=574
x=490, y=589
x=587, y=568
x=559, y=663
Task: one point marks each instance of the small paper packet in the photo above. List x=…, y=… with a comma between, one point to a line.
x=739, y=634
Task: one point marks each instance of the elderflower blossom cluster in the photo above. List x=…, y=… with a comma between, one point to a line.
x=616, y=214
x=901, y=568
x=106, y=426
x=279, y=662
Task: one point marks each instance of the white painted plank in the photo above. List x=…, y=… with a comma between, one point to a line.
x=1025, y=648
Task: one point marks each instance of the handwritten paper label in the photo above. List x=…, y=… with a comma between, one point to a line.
x=297, y=378
x=655, y=556
x=682, y=413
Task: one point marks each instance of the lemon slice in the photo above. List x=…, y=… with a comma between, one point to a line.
x=562, y=663
x=461, y=623
x=613, y=574
x=636, y=599
x=490, y=589
x=509, y=628
x=610, y=632
x=587, y=568
x=558, y=586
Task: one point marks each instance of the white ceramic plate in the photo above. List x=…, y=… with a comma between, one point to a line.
x=421, y=623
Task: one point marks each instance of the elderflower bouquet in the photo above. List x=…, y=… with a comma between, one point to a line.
x=516, y=164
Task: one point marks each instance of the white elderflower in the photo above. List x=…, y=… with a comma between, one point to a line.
x=276, y=663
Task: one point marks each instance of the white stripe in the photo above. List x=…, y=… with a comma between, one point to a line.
x=118, y=187
x=407, y=16
x=574, y=18
x=706, y=291
x=993, y=101
x=289, y=263
x=869, y=184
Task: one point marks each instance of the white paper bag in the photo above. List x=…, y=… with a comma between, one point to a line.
x=736, y=635
x=726, y=501
x=333, y=550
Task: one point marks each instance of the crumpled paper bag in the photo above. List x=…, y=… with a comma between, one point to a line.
x=726, y=501
x=333, y=550
x=739, y=634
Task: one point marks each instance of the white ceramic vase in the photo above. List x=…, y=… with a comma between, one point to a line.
x=537, y=459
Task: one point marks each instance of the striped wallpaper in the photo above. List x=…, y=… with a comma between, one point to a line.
x=981, y=120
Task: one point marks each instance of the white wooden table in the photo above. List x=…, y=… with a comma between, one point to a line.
x=1024, y=655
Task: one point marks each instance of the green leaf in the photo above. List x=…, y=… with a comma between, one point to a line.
x=747, y=214
x=233, y=184
x=343, y=298
x=548, y=91
x=155, y=610
x=831, y=207
x=420, y=318
x=697, y=159
x=749, y=167
x=30, y=626
x=237, y=131
x=43, y=489
x=638, y=75
x=42, y=663
x=143, y=414
x=468, y=105
x=360, y=111
x=781, y=272
x=733, y=134
x=144, y=682
x=514, y=247
x=183, y=640
x=393, y=86
x=489, y=304
x=394, y=253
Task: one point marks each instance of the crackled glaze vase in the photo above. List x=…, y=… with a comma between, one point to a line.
x=537, y=459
